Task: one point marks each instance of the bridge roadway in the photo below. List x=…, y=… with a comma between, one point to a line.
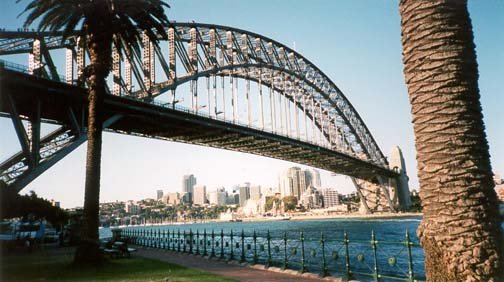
x=162, y=122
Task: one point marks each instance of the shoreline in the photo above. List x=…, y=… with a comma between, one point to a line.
x=292, y=218
x=337, y=216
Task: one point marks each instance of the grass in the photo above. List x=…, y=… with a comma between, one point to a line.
x=56, y=265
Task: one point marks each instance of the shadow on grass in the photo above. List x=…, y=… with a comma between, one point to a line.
x=56, y=265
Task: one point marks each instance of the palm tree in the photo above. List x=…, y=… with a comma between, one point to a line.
x=103, y=23
x=460, y=228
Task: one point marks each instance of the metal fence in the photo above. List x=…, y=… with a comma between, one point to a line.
x=368, y=260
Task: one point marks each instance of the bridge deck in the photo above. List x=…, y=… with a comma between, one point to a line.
x=156, y=121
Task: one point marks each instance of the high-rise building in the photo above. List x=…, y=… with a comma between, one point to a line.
x=311, y=198
x=285, y=184
x=244, y=192
x=188, y=183
x=312, y=178
x=217, y=197
x=292, y=182
x=159, y=194
x=199, y=195
x=331, y=197
x=255, y=192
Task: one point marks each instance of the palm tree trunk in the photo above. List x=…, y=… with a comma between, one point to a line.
x=460, y=230
x=100, y=56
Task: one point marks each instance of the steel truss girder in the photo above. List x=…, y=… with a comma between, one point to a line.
x=225, y=71
x=275, y=54
x=243, y=55
x=39, y=154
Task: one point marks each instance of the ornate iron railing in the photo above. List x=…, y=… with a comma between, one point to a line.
x=366, y=260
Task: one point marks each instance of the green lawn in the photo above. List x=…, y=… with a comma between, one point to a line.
x=56, y=265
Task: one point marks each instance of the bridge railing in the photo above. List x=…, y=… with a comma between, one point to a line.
x=24, y=69
x=335, y=255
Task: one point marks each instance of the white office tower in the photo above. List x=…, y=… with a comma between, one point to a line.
x=217, y=197
x=255, y=192
x=199, y=195
x=292, y=182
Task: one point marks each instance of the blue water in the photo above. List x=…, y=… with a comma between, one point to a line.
x=390, y=234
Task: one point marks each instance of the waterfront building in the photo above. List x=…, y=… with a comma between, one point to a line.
x=174, y=198
x=131, y=207
x=188, y=183
x=159, y=194
x=244, y=193
x=331, y=197
x=55, y=203
x=199, y=195
x=312, y=198
x=185, y=198
x=292, y=182
x=251, y=207
x=232, y=198
x=217, y=197
x=312, y=178
x=255, y=192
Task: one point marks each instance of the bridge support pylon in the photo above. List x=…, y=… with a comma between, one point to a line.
x=385, y=195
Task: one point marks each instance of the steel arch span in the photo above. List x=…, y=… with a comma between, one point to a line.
x=242, y=91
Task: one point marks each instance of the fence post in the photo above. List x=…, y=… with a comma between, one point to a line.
x=242, y=257
x=303, y=265
x=324, y=271
x=166, y=242
x=376, y=275
x=286, y=263
x=173, y=240
x=190, y=241
x=348, y=271
x=178, y=241
x=222, y=243
x=205, y=243
x=255, y=247
x=212, y=254
x=147, y=238
x=197, y=242
x=231, y=256
x=268, y=237
x=410, y=258
x=160, y=239
x=185, y=242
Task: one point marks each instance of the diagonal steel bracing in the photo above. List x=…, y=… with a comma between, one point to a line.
x=325, y=131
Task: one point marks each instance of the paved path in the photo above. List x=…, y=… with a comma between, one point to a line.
x=229, y=270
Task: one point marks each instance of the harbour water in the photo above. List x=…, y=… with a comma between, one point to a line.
x=391, y=255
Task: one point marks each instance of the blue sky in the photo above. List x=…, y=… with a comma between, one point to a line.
x=356, y=43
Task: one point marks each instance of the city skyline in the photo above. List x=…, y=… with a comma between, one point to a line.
x=362, y=73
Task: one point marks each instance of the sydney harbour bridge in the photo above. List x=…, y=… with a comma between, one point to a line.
x=208, y=85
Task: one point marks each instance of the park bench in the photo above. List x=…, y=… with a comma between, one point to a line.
x=118, y=249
